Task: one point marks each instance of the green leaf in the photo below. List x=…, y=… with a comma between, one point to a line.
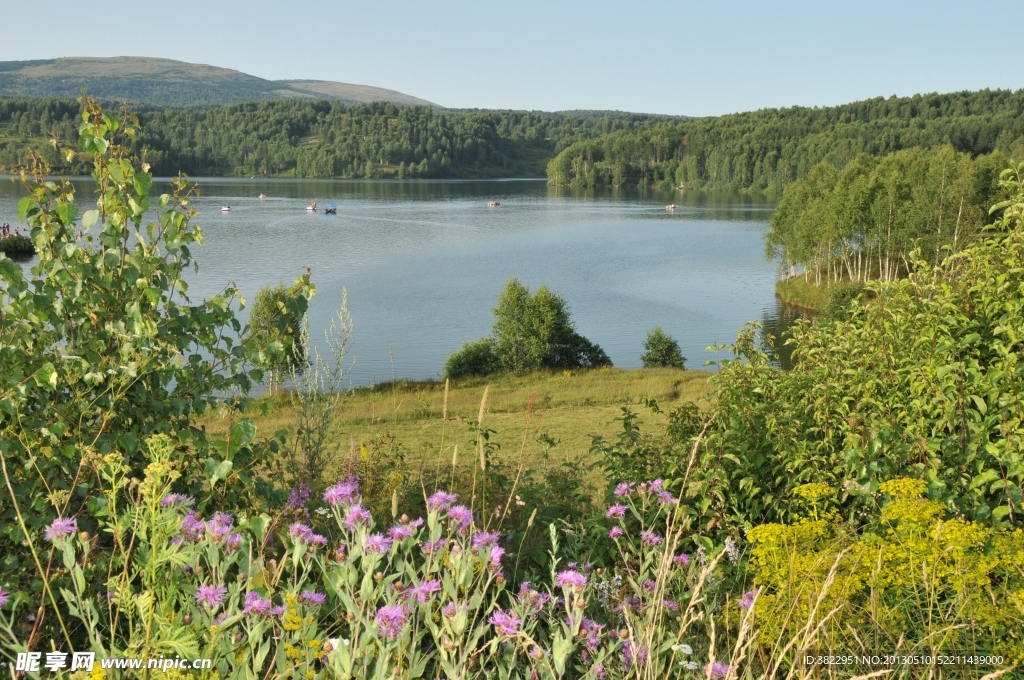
x=143, y=183
x=24, y=205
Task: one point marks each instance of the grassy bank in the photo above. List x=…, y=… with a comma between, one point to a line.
x=567, y=406
x=797, y=292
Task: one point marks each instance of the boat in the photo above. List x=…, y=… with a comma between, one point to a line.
x=263, y=195
x=311, y=206
x=330, y=209
x=670, y=206
x=493, y=204
x=225, y=208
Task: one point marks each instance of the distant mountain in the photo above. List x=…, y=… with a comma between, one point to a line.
x=172, y=83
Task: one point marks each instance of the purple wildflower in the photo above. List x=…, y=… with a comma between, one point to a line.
x=682, y=559
x=747, y=601
x=623, y=489
x=343, y=493
x=234, y=541
x=211, y=596
x=667, y=498
x=416, y=523
x=485, y=539
x=615, y=532
x=633, y=653
x=176, y=499
x=298, y=498
x=317, y=540
x=650, y=586
x=441, y=500
x=257, y=604
x=572, y=579
x=221, y=618
x=4, y=597
x=593, y=630
x=530, y=598
x=505, y=623
x=60, y=529
x=423, y=591
x=313, y=597
x=599, y=672
x=277, y=611
x=357, y=516
x=391, y=619
x=340, y=553
x=496, y=554
x=300, y=531
x=431, y=547
x=650, y=538
x=220, y=525
x=617, y=510
x=449, y=609
x=192, y=527
x=462, y=516
x=377, y=543
x=400, y=532
x=652, y=487
x=670, y=605
x=719, y=669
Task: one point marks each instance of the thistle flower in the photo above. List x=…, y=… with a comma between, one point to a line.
x=441, y=500
x=505, y=623
x=211, y=596
x=485, y=539
x=431, y=547
x=423, y=591
x=617, y=510
x=192, y=527
x=313, y=597
x=317, y=540
x=4, y=597
x=496, y=554
x=572, y=579
x=670, y=605
x=234, y=541
x=681, y=559
x=343, y=493
x=747, y=601
x=650, y=538
x=257, y=604
x=650, y=586
x=357, y=516
x=177, y=499
x=220, y=525
x=377, y=543
x=633, y=653
x=593, y=630
x=623, y=489
x=719, y=669
x=277, y=611
x=60, y=529
x=300, y=531
x=615, y=532
x=462, y=516
x=391, y=619
x=667, y=498
x=402, y=531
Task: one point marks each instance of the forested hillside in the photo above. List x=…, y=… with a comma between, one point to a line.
x=320, y=139
x=765, y=150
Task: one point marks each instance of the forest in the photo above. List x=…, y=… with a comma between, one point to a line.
x=318, y=139
x=768, y=149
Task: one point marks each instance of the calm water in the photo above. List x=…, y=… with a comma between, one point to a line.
x=423, y=261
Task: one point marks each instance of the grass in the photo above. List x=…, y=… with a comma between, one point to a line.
x=797, y=292
x=568, y=407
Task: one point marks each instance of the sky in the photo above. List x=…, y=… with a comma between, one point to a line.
x=652, y=56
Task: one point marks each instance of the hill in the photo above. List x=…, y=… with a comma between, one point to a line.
x=167, y=82
x=766, y=150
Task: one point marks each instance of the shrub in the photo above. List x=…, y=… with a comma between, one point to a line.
x=17, y=245
x=662, y=350
x=475, y=358
x=531, y=331
x=277, y=332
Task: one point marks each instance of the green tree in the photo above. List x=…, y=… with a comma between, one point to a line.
x=662, y=350
x=277, y=332
x=474, y=358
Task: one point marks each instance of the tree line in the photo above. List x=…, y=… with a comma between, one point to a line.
x=318, y=139
x=768, y=149
x=863, y=221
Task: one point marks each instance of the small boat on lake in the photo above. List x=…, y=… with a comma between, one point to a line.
x=311, y=206
x=330, y=209
x=263, y=195
x=670, y=206
x=493, y=204
x=225, y=208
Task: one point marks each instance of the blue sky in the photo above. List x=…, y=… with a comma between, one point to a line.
x=659, y=56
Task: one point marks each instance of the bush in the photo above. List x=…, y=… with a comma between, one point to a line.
x=841, y=297
x=17, y=245
x=475, y=358
x=530, y=332
x=277, y=332
x=662, y=350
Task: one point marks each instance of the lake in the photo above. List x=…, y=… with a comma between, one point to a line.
x=423, y=261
